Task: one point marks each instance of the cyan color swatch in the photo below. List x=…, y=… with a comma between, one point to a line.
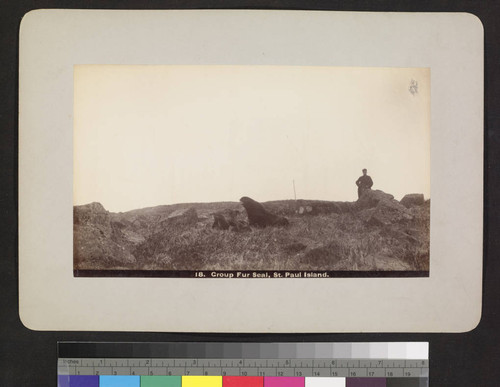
x=119, y=381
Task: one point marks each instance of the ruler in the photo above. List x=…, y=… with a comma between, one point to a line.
x=307, y=360
x=246, y=367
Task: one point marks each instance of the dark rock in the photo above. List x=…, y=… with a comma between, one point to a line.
x=259, y=216
x=220, y=222
x=371, y=198
x=412, y=200
x=229, y=219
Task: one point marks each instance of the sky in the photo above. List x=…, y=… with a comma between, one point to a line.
x=148, y=135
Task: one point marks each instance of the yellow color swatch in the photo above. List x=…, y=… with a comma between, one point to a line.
x=202, y=381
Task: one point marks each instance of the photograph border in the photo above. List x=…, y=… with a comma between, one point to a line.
x=159, y=159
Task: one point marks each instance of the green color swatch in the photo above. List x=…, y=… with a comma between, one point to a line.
x=161, y=381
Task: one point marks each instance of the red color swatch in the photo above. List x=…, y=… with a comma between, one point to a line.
x=242, y=381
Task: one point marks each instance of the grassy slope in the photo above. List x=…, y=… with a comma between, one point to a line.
x=321, y=242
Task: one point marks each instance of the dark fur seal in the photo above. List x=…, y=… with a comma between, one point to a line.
x=259, y=216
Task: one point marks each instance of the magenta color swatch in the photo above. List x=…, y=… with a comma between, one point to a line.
x=283, y=381
x=365, y=382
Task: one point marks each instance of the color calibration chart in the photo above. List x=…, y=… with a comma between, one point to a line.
x=195, y=364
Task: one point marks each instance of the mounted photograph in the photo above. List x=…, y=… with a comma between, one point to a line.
x=251, y=171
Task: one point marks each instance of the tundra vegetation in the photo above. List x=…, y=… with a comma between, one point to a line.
x=375, y=233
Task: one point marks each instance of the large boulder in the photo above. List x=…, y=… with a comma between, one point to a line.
x=96, y=238
x=371, y=198
x=412, y=200
x=378, y=208
x=259, y=216
x=94, y=215
x=387, y=212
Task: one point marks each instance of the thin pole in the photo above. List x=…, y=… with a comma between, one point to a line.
x=294, y=193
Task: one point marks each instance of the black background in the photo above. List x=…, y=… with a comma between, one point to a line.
x=28, y=358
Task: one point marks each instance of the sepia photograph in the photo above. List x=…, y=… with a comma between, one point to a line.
x=251, y=171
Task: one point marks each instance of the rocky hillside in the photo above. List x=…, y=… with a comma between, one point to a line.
x=376, y=232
